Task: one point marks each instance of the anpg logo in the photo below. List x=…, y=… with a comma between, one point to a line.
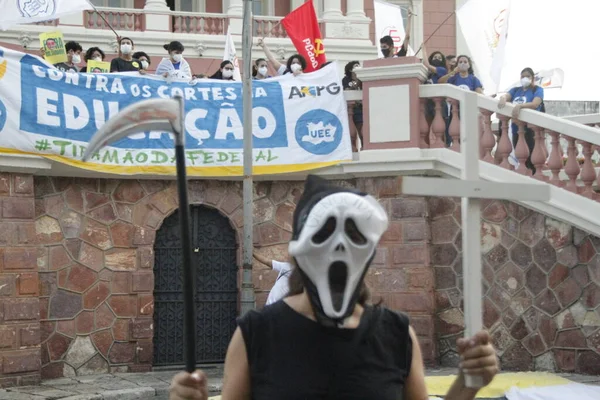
x=36, y=8
x=319, y=132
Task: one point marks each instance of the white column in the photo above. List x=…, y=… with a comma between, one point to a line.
x=417, y=25
x=236, y=7
x=332, y=9
x=158, y=5
x=355, y=9
x=295, y=4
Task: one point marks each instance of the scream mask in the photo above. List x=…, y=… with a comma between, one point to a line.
x=335, y=234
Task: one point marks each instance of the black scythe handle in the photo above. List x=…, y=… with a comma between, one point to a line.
x=188, y=275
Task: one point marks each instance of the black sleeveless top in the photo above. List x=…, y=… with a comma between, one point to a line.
x=294, y=358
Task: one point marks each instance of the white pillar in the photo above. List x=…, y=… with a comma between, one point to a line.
x=158, y=5
x=332, y=9
x=355, y=9
x=236, y=7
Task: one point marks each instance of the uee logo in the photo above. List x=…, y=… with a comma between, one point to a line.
x=36, y=8
x=319, y=132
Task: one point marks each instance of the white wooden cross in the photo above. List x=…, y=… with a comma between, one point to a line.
x=471, y=189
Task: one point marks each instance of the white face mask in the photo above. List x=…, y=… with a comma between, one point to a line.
x=97, y=59
x=76, y=59
x=227, y=73
x=295, y=68
x=145, y=64
x=525, y=82
x=126, y=48
x=464, y=67
x=356, y=68
x=334, y=247
x=263, y=71
x=177, y=57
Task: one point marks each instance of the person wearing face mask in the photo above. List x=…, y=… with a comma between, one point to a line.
x=225, y=71
x=125, y=62
x=463, y=76
x=325, y=339
x=94, y=54
x=145, y=60
x=351, y=82
x=527, y=96
x=260, y=69
x=174, y=66
x=386, y=43
x=74, y=50
x=436, y=64
x=295, y=65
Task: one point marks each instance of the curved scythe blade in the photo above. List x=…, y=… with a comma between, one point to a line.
x=149, y=115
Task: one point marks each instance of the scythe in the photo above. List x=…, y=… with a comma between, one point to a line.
x=164, y=115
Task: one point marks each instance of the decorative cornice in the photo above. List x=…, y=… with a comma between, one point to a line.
x=399, y=71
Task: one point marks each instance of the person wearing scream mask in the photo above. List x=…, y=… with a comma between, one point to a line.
x=295, y=64
x=463, y=76
x=225, y=71
x=174, y=66
x=527, y=96
x=125, y=62
x=260, y=69
x=93, y=54
x=326, y=340
x=145, y=60
x=74, y=50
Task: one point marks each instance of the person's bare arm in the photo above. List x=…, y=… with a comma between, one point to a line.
x=236, y=378
x=414, y=388
x=272, y=59
x=408, y=30
x=430, y=67
x=263, y=260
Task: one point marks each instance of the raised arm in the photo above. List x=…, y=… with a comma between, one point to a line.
x=272, y=59
x=263, y=260
x=426, y=63
x=408, y=30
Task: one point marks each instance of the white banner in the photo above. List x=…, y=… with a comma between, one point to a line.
x=231, y=55
x=28, y=11
x=389, y=22
x=299, y=123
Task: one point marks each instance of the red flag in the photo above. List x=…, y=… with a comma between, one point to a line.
x=302, y=28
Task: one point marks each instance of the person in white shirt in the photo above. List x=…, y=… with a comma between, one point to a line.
x=174, y=66
x=281, y=287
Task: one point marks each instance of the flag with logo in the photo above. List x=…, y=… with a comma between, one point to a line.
x=302, y=27
x=16, y=12
x=389, y=22
x=231, y=55
x=547, y=79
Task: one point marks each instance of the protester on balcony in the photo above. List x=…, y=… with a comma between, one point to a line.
x=260, y=69
x=225, y=71
x=281, y=287
x=435, y=63
x=386, y=43
x=450, y=62
x=94, y=54
x=74, y=50
x=351, y=82
x=463, y=76
x=527, y=96
x=125, y=62
x=325, y=339
x=295, y=65
x=174, y=66
x=145, y=60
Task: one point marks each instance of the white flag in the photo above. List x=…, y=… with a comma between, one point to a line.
x=498, y=59
x=16, y=12
x=389, y=22
x=231, y=56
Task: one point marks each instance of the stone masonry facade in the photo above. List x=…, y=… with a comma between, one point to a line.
x=77, y=258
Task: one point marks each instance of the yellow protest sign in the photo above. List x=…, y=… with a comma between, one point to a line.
x=98, y=67
x=53, y=44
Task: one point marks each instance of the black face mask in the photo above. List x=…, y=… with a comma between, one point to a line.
x=385, y=52
x=437, y=63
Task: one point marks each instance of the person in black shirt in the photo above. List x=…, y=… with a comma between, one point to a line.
x=387, y=43
x=225, y=71
x=125, y=62
x=74, y=50
x=351, y=82
x=326, y=340
x=94, y=54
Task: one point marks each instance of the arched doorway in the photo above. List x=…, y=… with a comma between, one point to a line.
x=214, y=251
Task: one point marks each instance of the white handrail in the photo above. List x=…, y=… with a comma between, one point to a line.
x=563, y=126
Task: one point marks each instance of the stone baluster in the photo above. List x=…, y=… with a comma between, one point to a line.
x=454, y=128
x=538, y=156
x=178, y=24
x=555, y=162
x=588, y=173
x=522, y=151
x=437, y=139
x=424, y=126
x=487, y=139
x=572, y=168
x=504, y=146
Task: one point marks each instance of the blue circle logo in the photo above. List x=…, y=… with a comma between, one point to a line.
x=319, y=132
x=2, y=115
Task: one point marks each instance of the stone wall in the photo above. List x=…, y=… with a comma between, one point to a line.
x=541, y=277
x=19, y=304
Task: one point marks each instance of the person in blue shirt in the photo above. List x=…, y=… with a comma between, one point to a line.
x=463, y=76
x=436, y=65
x=528, y=96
